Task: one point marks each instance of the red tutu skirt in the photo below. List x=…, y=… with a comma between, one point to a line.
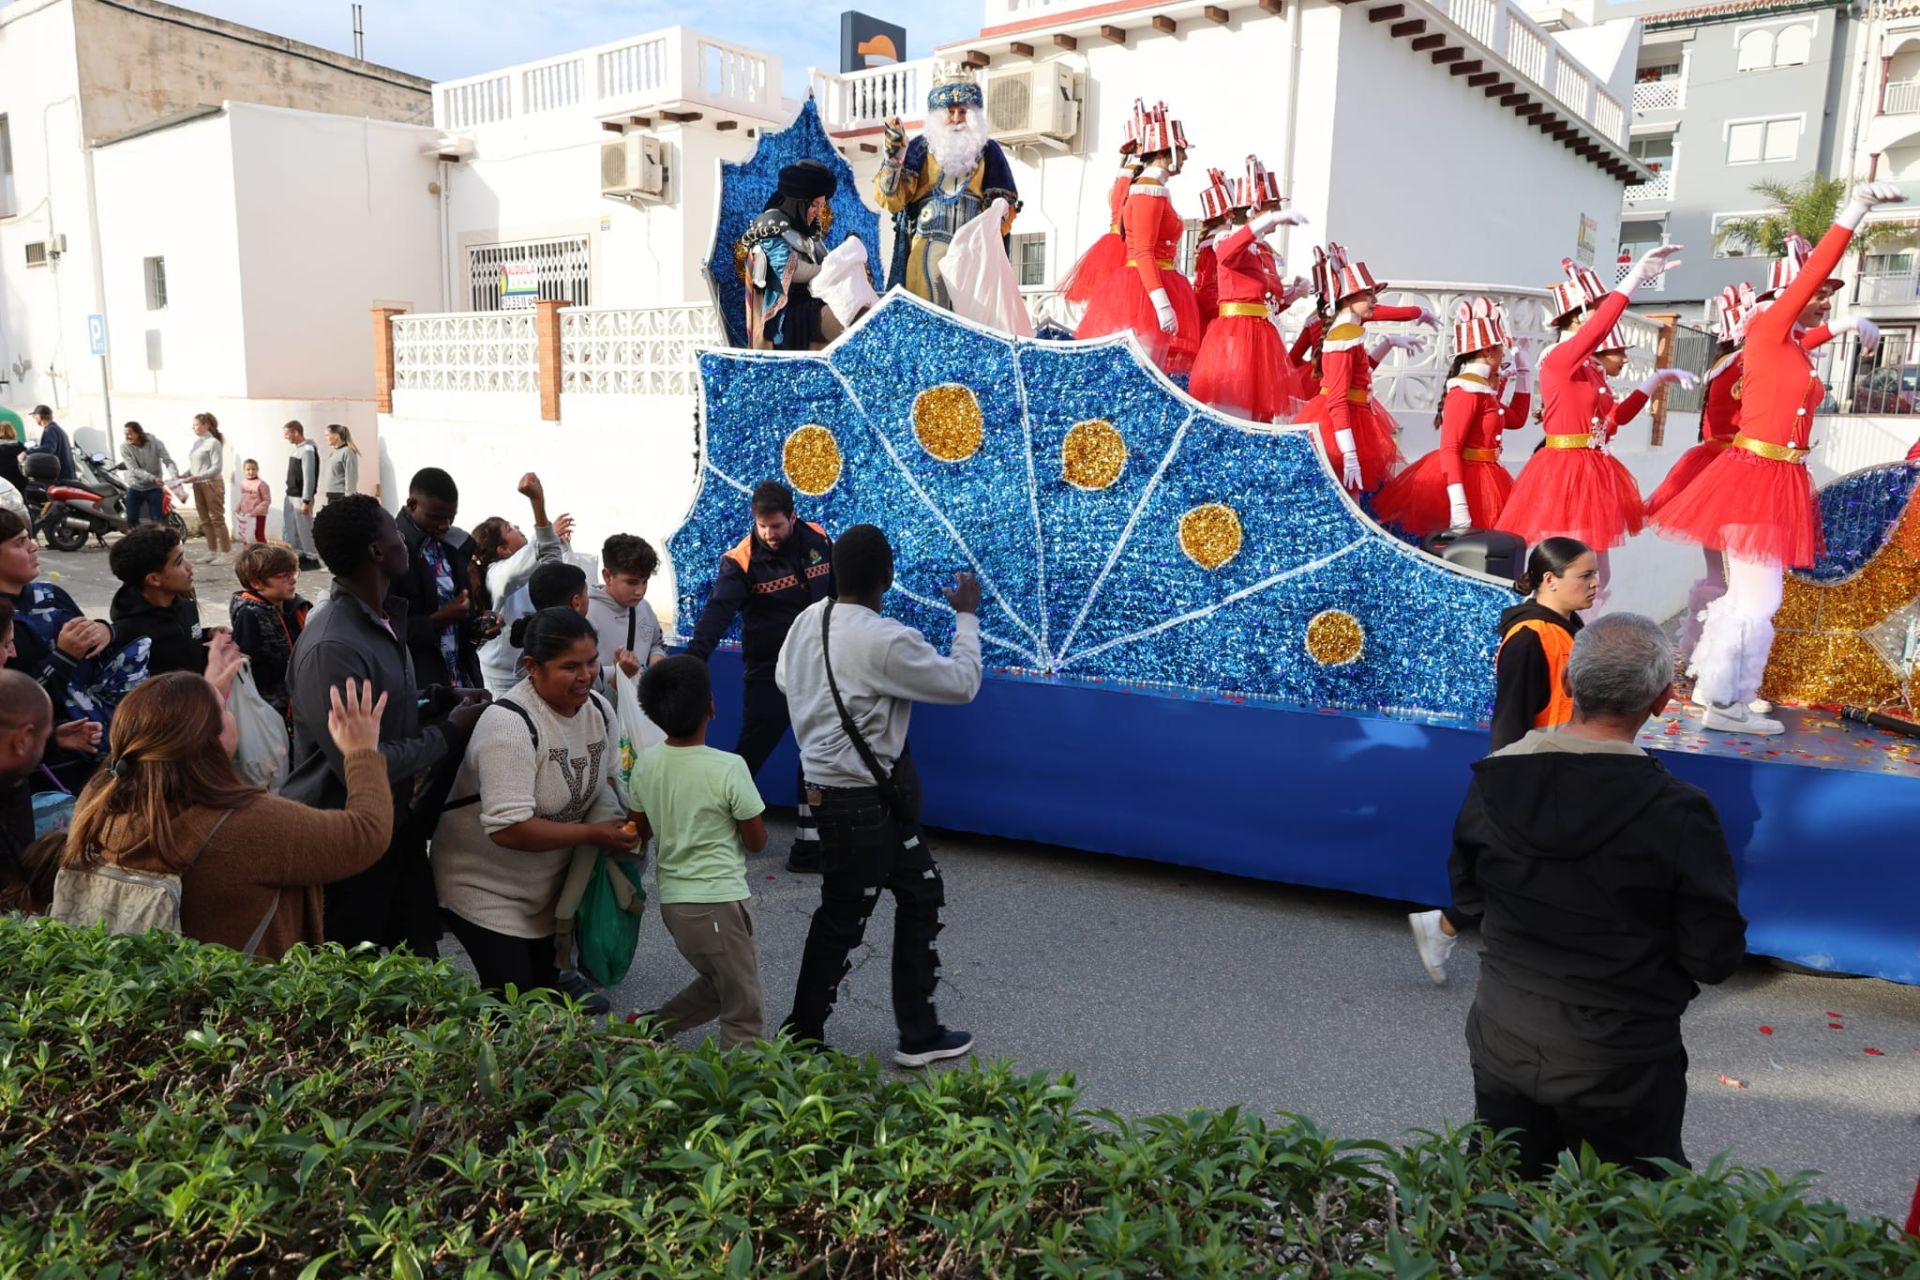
x=1748, y=506
x=1103, y=257
x=1120, y=303
x=1373, y=438
x=1574, y=493
x=1306, y=383
x=1690, y=464
x=1243, y=369
x=1416, y=499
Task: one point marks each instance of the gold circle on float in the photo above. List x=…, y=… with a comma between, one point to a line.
x=948, y=423
x=811, y=459
x=1210, y=534
x=1093, y=455
x=1335, y=638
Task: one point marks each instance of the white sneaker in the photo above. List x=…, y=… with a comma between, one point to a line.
x=1760, y=706
x=1433, y=942
x=1731, y=717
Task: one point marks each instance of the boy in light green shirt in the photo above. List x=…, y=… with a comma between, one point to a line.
x=703, y=807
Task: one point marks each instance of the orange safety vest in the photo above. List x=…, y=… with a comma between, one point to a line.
x=1557, y=643
x=741, y=553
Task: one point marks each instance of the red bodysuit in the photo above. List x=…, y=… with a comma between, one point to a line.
x=1472, y=424
x=1719, y=423
x=1124, y=301
x=1242, y=367
x=1345, y=400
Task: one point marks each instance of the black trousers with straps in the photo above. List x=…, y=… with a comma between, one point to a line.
x=764, y=720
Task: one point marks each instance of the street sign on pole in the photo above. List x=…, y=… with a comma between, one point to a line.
x=97, y=334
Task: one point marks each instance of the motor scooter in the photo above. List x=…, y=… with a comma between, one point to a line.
x=94, y=504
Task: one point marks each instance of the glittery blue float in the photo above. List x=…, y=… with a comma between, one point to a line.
x=1093, y=586
x=1858, y=513
x=744, y=189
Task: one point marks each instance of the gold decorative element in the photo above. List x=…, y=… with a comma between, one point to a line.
x=947, y=421
x=1093, y=455
x=1210, y=534
x=1581, y=441
x=1335, y=638
x=811, y=459
x=1768, y=449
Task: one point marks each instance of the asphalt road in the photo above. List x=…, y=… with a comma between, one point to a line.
x=1161, y=988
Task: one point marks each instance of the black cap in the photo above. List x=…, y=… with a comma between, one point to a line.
x=807, y=180
x=41, y=411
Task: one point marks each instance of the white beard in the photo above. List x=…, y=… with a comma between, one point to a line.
x=956, y=148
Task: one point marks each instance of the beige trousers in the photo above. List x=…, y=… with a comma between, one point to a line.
x=210, y=502
x=717, y=940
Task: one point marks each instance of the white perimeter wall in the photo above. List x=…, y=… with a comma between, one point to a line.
x=170, y=194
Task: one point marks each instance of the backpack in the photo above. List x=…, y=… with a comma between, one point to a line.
x=134, y=901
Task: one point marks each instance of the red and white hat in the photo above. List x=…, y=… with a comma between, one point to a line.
x=1216, y=198
x=1157, y=131
x=1257, y=187
x=1580, y=290
x=1136, y=125
x=1337, y=277
x=1617, y=340
x=1786, y=268
x=1736, y=304
x=1478, y=323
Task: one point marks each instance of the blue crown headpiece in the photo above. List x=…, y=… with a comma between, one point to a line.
x=955, y=91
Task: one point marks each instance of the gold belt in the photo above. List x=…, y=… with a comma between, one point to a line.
x=1480, y=455
x=1718, y=442
x=1581, y=441
x=1767, y=449
x=1243, y=309
x=1359, y=395
x=1113, y=228
x=1166, y=264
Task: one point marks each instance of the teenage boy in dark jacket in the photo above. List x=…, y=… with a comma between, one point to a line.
x=443, y=633
x=776, y=571
x=1606, y=892
x=156, y=600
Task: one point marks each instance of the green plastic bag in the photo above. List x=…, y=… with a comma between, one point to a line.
x=606, y=927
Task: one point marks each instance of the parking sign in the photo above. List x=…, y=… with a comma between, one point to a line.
x=97, y=334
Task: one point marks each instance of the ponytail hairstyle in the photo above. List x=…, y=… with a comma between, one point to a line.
x=1460, y=362
x=489, y=536
x=1553, y=556
x=345, y=436
x=545, y=634
x=212, y=425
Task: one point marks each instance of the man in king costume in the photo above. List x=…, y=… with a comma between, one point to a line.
x=944, y=179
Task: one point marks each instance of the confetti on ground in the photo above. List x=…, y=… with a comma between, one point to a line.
x=1731, y=1083
x=1877, y=1053
x=1766, y=1031
x=1836, y=1026
x=1832, y=1014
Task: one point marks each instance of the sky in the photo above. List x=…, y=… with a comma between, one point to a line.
x=451, y=39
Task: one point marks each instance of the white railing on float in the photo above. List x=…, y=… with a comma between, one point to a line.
x=678, y=64
x=865, y=99
x=1668, y=94
x=487, y=351
x=644, y=351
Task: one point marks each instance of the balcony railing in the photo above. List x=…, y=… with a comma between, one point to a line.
x=1623, y=269
x=1669, y=94
x=864, y=99
x=1902, y=97
x=1658, y=187
x=674, y=65
x=1889, y=288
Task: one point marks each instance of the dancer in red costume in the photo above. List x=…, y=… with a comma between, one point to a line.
x=1356, y=433
x=1108, y=254
x=1461, y=485
x=1242, y=367
x=1572, y=487
x=1755, y=501
x=1150, y=299
x=1216, y=224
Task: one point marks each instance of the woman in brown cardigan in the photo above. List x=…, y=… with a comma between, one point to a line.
x=170, y=779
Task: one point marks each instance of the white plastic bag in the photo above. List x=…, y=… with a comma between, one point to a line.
x=260, y=754
x=635, y=731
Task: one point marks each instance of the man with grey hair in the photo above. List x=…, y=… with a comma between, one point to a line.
x=1605, y=892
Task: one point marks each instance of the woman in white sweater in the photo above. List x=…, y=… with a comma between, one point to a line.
x=207, y=468
x=536, y=783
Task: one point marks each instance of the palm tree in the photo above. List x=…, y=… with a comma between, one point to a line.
x=1807, y=206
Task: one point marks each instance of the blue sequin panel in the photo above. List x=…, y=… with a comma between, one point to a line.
x=1857, y=515
x=744, y=189
x=1087, y=577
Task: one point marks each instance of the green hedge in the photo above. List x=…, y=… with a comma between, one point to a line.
x=170, y=1109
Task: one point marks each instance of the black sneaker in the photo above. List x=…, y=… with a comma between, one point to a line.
x=803, y=859
x=575, y=984
x=948, y=1044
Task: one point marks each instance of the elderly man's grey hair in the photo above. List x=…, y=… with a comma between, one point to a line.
x=1620, y=664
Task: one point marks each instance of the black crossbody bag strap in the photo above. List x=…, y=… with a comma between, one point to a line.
x=881, y=778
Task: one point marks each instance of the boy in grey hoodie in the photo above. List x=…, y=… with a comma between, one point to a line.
x=630, y=635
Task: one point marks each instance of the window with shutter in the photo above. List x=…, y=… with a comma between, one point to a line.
x=1783, y=140
x=1793, y=47
x=1756, y=50
x=1744, y=142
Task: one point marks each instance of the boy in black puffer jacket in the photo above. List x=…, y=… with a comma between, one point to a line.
x=268, y=615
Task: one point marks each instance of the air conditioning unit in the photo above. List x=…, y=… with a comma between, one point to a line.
x=634, y=167
x=1039, y=103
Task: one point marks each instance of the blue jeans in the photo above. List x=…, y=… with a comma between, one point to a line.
x=143, y=499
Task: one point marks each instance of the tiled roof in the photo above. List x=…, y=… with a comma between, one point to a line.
x=1733, y=9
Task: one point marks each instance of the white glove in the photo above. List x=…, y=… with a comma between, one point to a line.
x=1349, y=459
x=1600, y=440
x=1461, y=518
x=1278, y=218
x=1163, y=308
x=1394, y=342
x=1427, y=318
x=1661, y=377
x=1867, y=195
x=1653, y=264
x=1523, y=355
x=1869, y=331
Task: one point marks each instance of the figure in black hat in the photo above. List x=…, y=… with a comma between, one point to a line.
x=781, y=253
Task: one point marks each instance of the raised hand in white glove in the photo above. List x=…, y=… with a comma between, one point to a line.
x=1407, y=342
x=1523, y=355
x=1427, y=318
x=1653, y=264
x=1662, y=377
x=1163, y=308
x=1869, y=331
x=1460, y=517
x=1349, y=459
x=1868, y=195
